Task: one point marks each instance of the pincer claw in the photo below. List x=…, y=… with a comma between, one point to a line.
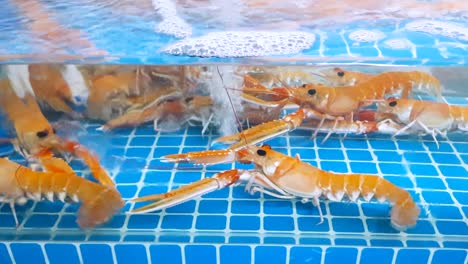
x=187, y=192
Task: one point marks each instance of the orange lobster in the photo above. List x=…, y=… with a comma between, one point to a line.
x=18, y=183
x=329, y=103
x=285, y=177
x=36, y=136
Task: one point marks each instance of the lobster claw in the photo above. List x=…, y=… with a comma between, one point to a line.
x=188, y=192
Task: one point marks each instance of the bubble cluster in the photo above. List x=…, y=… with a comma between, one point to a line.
x=398, y=44
x=171, y=23
x=446, y=29
x=366, y=35
x=243, y=44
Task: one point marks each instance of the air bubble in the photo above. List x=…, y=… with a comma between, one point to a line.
x=446, y=29
x=399, y=44
x=366, y=36
x=244, y=44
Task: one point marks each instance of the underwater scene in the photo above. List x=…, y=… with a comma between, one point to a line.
x=233, y=131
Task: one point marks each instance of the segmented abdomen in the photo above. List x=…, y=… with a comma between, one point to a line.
x=404, y=213
x=99, y=202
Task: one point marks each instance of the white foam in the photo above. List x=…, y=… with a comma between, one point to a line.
x=446, y=29
x=171, y=23
x=399, y=44
x=19, y=78
x=77, y=84
x=243, y=44
x=363, y=35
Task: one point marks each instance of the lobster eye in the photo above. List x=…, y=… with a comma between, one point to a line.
x=54, y=131
x=261, y=152
x=189, y=99
x=392, y=103
x=304, y=85
x=42, y=134
x=340, y=73
x=312, y=92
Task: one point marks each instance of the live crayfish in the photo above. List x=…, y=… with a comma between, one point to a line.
x=285, y=177
x=327, y=103
x=59, y=181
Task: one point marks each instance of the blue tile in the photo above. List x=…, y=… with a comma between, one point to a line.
x=462, y=197
x=128, y=177
x=278, y=223
x=169, y=141
x=347, y=225
x=48, y=207
x=162, y=151
x=437, y=197
x=413, y=256
x=374, y=255
x=139, y=238
x=350, y=242
x=177, y=222
x=149, y=190
x=455, y=244
x=455, y=171
x=355, y=144
x=380, y=226
x=277, y=207
x=244, y=239
x=209, y=239
x=445, y=212
x=421, y=227
x=411, y=146
x=211, y=222
x=309, y=209
x=186, y=207
x=117, y=221
x=449, y=256
x=196, y=141
x=127, y=191
x=230, y=254
x=212, y=207
x=424, y=170
x=458, y=184
x=363, y=167
x=430, y=183
x=461, y=147
x=328, y=154
x=142, y=141
x=186, y=177
x=194, y=253
x=334, y=166
x=96, y=253
x=443, y=147
x=300, y=254
x=119, y=141
x=25, y=252
x=311, y=224
x=304, y=153
x=130, y=254
x=422, y=243
x=443, y=158
x=360, y=155
x=279, y=240
x=452, y=227
x=335, y=255
x=303, y=142
x=245, y=207
x=161, y=177
x=174, y=239
x=419, y=157
x=68, y=221
x=382, y=144
x=4, y=256
x=393, y=168
x=165, y=254
x=9, y=221
x=270, y=254
x=343, y=209
x=314, y=241
x=105, y=238
x=223, y=193
x=143, y=221
x=387, y=156
x=400, y=181
x=134, y=152
x=386, y=243
x=244, y=223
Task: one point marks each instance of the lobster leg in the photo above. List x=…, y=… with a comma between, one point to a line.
x=185, y=193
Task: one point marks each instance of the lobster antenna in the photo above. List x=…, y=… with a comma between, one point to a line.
x=232, y=106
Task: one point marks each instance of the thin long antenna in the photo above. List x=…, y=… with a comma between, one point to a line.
x=232, y=106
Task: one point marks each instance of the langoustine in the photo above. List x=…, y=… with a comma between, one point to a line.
x=18, y=183
x=286, y=177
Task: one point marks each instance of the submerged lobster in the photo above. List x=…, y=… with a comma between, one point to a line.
x=285, y=177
